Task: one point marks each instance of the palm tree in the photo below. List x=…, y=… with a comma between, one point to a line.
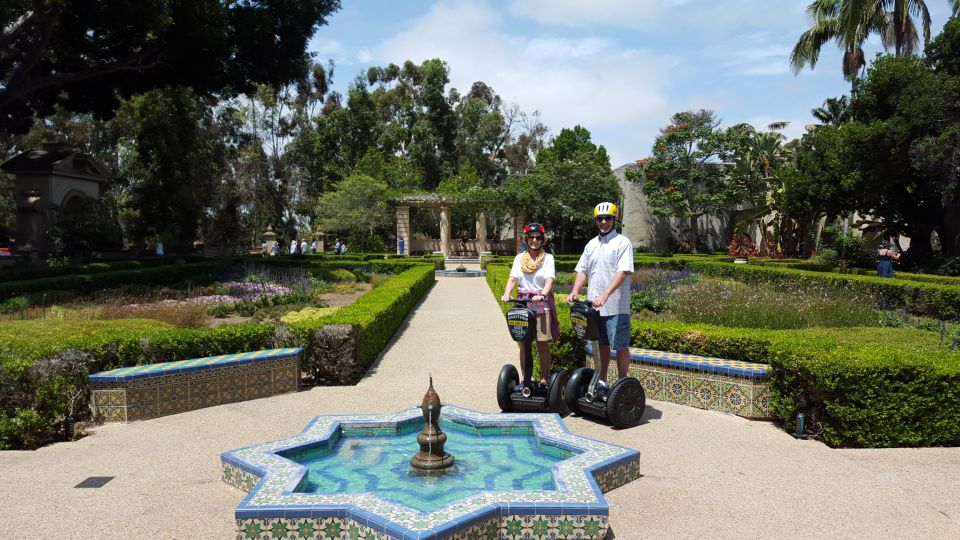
x=834, y=111
x=850, y=22
x=756, y=156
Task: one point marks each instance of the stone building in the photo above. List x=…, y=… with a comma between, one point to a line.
x=654, y=233
x=53, y=175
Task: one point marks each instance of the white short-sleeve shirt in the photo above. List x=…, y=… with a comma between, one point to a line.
x=601, y=260
x=538, y=279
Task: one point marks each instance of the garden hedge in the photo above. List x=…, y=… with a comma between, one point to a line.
x=35, y=272
x=39, y=372
x=375, y=318
x=90, y=282
x=934, y=296
x=862, y=386
x=44, y=361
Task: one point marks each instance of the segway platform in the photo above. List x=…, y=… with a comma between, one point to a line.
x=622, y=403
x=528, y=397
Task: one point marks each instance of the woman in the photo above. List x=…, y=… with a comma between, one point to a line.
x=534, y=271
x=886, y=255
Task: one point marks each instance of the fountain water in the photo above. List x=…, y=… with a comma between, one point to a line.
x=527, y=473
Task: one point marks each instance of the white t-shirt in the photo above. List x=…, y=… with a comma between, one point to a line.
x=601, y=260
x=537, y=280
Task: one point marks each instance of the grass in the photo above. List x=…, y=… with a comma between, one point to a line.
x=729, y=303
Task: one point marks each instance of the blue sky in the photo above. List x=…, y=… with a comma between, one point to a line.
x=620, y=68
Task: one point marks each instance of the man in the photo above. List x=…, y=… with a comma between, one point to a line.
x=607, y=264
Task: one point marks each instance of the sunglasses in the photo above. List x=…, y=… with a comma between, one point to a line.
x=540, y=238
x=604, y=218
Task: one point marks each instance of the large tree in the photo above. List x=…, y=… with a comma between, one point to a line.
x=755, y=162
x=850, y=22
x=84, y=54
x=685, y=175
x=356, y=209
x=572, y=174
x=905, y=131
x=175, y=163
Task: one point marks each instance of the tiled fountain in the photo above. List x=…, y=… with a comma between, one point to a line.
x=349, y=476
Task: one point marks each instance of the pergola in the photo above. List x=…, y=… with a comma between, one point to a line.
x=446, y=244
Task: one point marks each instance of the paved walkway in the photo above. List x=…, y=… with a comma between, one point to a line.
x=706, y=474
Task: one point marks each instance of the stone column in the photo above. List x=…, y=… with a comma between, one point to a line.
x=482, y=232
x=445, y=230
x=403, y=229
x=519, y=220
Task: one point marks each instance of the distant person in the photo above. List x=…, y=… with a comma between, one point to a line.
x=159, y=249
x=336, y=247
x=275, y=249
x=313, y=247
x=303, y=247
x=343, y=247
x=293, y=247
x=885, y=257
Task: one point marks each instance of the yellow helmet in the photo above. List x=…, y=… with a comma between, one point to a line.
x=605, y=209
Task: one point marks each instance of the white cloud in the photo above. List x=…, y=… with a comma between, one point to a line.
x=616, y=92
x=326, y=48
x=578, y=13
x=364, y=55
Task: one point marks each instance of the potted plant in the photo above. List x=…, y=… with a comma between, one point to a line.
x=740, y=248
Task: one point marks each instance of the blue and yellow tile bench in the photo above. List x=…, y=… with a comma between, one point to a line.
x=141, y=392
x=716, y=384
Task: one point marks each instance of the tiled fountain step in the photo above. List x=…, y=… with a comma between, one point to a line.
x=141, y=392
x=717, y=384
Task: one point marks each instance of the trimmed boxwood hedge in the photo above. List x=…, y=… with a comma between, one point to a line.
x=37, y=377
x=35, y=363
x=36, y=272
x=86, y=283
x=375, y=317
x=864, y=386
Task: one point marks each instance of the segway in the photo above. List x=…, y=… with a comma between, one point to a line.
x=623, y=403
x=528, y=397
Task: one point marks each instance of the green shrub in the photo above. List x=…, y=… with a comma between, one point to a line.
x=17, y=303
x=871, y=387
x=307, y=315
x=376, y=245
x=375, y=317
x=344, y=275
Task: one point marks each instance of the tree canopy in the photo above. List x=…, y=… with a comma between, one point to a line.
x=83, y=55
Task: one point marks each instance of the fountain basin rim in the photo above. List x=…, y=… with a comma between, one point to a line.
x=275, y=479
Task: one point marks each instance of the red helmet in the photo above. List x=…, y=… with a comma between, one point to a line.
x=534, y=227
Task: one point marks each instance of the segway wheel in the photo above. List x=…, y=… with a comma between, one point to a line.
x=558, y=389
x=509, y=379
x=626, y=403
x=576, y=387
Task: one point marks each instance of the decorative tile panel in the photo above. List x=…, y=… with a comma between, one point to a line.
x=142, y=392
x=714, y=384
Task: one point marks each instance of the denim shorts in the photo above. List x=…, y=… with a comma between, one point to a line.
x=618, y=331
